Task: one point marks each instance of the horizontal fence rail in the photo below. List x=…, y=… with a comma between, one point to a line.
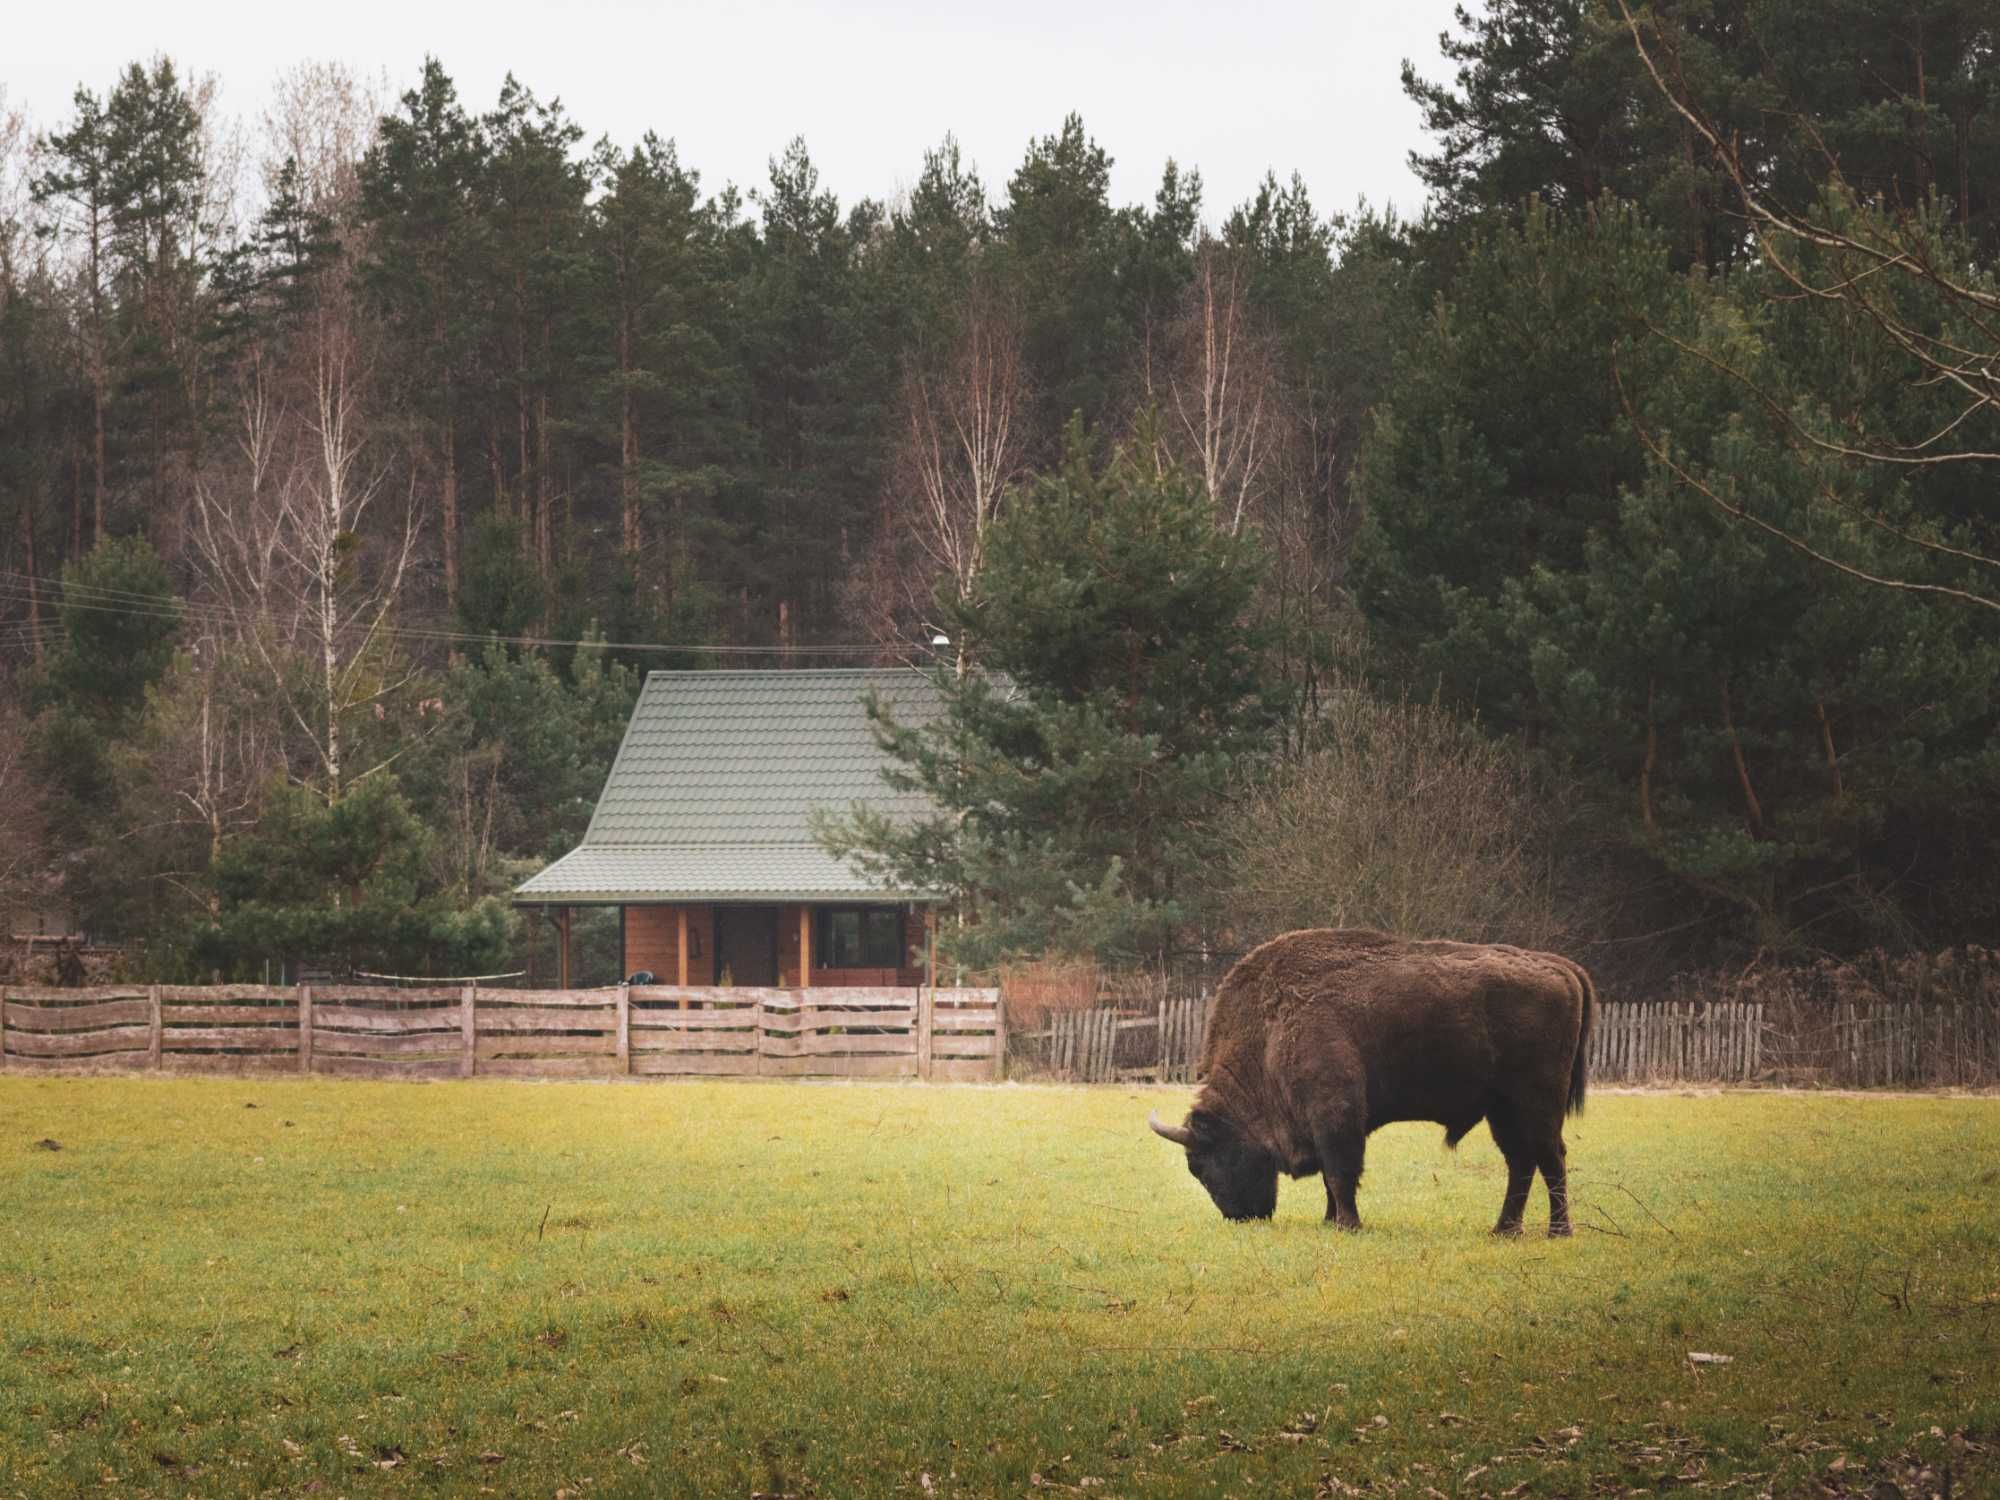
x=457, y=1031
x=463, y=1031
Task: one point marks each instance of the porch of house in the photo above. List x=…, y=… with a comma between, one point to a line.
x=776, y=945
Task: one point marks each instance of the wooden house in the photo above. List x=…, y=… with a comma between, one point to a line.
x=702, y=841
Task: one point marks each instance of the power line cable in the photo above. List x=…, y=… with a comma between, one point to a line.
x=19, y=588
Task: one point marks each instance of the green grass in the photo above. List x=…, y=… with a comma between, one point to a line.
x=358, y=1289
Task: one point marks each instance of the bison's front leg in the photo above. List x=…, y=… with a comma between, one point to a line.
x=1340, y=1155
x=1520, y=1178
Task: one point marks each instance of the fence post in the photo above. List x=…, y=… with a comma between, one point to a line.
x=468, y=1030
x=305, y=1028
x=757, y=1034
x=999, y=1037
x=624, y=1028
x=926, y=1014
x=153, y=1026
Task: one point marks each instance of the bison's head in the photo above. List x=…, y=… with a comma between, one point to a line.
x=1239, y=1176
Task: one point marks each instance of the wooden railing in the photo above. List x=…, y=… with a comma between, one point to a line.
x=465, y=1031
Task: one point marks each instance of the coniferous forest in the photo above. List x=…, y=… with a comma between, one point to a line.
x=1605, y=554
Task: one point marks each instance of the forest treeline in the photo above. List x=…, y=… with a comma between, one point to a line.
x=1602, y=555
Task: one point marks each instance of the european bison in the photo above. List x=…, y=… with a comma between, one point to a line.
x=1320, y=1037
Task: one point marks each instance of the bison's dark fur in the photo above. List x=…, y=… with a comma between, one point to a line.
x=1320, y=1037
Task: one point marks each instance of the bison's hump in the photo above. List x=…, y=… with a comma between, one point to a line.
x=1320, y=966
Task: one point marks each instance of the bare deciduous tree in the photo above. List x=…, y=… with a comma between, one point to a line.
x=284, y=544
x=16, y=201
x=1267, y=448
x=209, y=748
x=1213, y=377
x=1398, y=817
x=323, y=119
x=960, y=444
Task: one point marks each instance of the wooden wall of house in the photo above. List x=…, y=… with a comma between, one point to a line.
x=912, y=971
x=652, y=941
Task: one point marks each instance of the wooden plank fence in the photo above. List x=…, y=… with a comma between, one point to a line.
x=1859, y=1044
x=463, y=1031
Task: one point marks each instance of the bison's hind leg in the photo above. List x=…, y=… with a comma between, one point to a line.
x=1517, y=1146
x=1551, y=1157
x=1531, y=1139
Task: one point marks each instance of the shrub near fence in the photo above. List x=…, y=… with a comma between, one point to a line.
x=464, y=1031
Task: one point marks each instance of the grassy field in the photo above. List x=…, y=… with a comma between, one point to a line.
x=338, y=1288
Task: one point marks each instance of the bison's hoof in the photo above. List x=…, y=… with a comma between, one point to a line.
x=1348, y=1226
x=1560, y=1231
x=1508, y=1231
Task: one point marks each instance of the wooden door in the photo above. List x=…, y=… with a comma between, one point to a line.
x=746, y=944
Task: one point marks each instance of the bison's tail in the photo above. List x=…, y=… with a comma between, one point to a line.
x=1579, y=1069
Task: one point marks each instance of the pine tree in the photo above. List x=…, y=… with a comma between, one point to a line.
x=154, y=180
x=1121, y=687
x=667, y=402
x=424, y=245
x=1061, y=241
x=819, y=369
x=76, y=191
x=531, y=196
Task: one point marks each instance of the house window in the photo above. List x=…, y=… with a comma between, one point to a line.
x=859, y=937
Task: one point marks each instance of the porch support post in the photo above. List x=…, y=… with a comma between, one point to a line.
x=681, y=946
x=562, y=965
x=805, y=946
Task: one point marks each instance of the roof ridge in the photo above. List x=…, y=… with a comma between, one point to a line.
x=784, y=671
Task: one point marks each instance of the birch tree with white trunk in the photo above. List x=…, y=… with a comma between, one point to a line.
x=962, y=442
x=300, y=550
x=1214, y=379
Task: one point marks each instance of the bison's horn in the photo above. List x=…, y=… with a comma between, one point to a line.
x=1180, y=1135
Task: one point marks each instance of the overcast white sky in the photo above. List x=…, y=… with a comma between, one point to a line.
x=870, y=83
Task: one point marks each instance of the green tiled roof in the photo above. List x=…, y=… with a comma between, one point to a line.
x=710, y=795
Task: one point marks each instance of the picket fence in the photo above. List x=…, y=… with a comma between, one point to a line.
x=1670, y=1041
x=1873, y=1044
x=1113, y=1044
x=1845, y=1044
x=465, y=1031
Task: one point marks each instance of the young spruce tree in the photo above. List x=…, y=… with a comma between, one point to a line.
x=1120, y=690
